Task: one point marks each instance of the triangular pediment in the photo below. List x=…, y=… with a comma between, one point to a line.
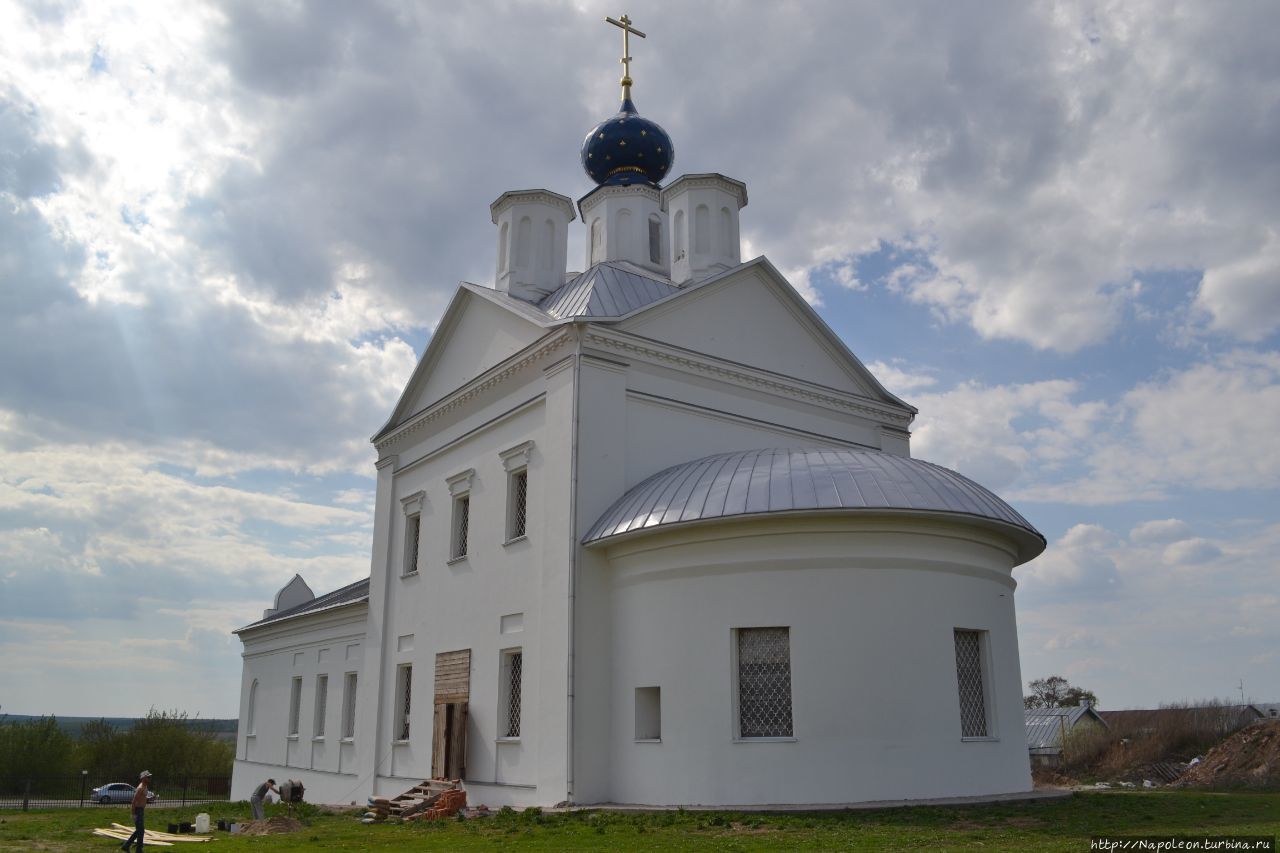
x=751, y=315
x=475, y=333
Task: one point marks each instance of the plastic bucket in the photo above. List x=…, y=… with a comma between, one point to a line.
x=202, y=822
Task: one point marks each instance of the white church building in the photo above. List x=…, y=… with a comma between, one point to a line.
x=649, y=533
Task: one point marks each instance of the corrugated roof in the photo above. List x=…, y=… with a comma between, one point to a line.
x=781, y=480
x=1045, y=725
x=609, y=289
x=349, y=594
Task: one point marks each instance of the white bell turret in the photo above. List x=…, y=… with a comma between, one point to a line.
x=703, y=211
x=626, y=223
x=533, y=239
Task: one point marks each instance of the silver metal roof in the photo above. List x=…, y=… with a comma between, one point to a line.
x=781, y=480
x=609, y=289
x=1045, y=725
x=349, y=594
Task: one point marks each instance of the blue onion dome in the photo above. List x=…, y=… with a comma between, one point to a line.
x=627, y=149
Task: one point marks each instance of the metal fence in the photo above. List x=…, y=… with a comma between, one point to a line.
x=62, y=791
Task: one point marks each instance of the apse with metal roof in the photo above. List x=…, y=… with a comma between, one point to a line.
x=809, y=480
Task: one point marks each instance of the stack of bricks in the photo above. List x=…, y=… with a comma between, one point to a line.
x=448, y=804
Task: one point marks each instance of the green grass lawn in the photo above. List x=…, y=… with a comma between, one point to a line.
x=1051, y=825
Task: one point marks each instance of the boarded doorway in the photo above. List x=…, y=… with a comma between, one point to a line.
x=449, y=727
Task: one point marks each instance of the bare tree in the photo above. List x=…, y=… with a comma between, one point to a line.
x=1056, y=692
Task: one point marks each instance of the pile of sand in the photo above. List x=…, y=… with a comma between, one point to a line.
x=1250, y=758
x=271, y=826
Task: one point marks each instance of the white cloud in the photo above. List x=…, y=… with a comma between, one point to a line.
x=976, y=429
x=1208, y=426
x=1172, y=628
x=1191, y=552
x=900, y=380
x=1077, y=565
x=1160, y=530
x=1243, y=296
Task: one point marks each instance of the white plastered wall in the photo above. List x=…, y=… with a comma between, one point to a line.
x=871, y=606
x=328, y=643
x=455, y=604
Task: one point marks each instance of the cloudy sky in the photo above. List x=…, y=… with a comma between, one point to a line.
x=227, y=231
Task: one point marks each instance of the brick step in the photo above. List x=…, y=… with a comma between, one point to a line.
x=423, y=798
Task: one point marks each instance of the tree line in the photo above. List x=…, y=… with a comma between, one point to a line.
x=167, y=743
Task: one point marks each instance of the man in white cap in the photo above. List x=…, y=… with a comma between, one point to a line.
x=139, y=806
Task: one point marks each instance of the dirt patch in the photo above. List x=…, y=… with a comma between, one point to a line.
x=1049, y=777
x=277, y=825
x=1250, y=758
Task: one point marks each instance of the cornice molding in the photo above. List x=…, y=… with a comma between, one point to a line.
x=460, y=483
x=494, y=377
x=599, y=194
x=538, y=196
x=413, y=504
x=516, y=457
x=705, y=180
x=748, y=379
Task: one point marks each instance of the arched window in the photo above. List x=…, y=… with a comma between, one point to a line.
x=726, y=233
x=503, y=233
x=597, y=241
x=702, y=230
x=681, y=236
x=253, y=701
x=655, y=240
x=524, y=236
x=625, y=243
x=548, y=243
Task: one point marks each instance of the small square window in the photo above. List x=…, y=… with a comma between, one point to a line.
x=648, y=713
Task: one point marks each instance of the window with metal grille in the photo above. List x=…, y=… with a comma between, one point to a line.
x=295, y=703
x=461, y=521
x=764, y=682
x=655, y=240
x=404, y=692
x=322, y=704
x=412, y=536
x=517, y=504
x=349, y=706
x=969, y=676
x=512, y=677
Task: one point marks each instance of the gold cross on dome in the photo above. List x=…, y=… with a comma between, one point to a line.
x=627, y=30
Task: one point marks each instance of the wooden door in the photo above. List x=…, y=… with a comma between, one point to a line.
x=449, y=724
x=449, y=741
